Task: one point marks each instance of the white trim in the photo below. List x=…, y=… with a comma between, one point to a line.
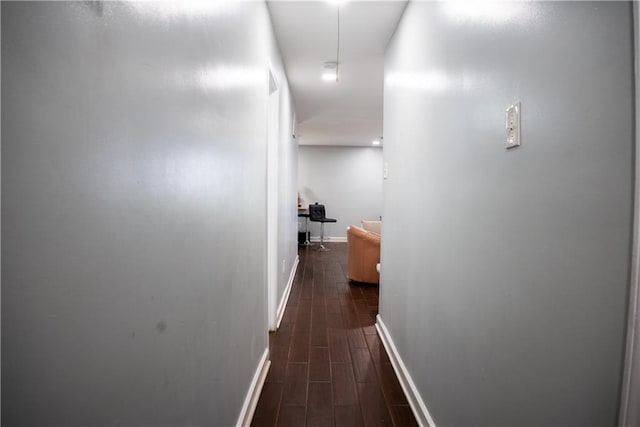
x=335, y=239
x=251, y=400
x=287, y=291
x=408, y=386
x=273, y=126
x=628, y=415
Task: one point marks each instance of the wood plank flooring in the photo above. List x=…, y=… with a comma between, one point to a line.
x=328, y=365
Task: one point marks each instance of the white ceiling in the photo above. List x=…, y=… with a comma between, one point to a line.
x=329, y=113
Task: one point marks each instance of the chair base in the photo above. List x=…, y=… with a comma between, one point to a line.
x=323, y=249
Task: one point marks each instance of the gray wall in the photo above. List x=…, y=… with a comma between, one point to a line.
x=348, y=180
x=505, y=274
x=133, y=211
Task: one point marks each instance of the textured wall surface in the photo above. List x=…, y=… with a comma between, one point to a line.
x=133, y=211
x=505, y=273
x=347, y=180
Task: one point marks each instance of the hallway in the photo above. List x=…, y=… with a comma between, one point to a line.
x=154, y=152
x=328, y=365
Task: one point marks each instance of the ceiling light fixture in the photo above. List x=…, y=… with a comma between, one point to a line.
x=375, y=142
x=329, y=74
x=334, y=65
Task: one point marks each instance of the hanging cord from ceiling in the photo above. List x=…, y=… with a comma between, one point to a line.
x=338, y=47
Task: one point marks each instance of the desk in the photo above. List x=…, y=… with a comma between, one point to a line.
x=304, y=213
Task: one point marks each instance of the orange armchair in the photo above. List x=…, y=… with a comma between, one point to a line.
x=363, y=254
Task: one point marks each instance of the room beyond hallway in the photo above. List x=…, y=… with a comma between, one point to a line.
x=328, y=365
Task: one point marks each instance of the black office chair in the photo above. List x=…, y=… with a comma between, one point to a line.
x=317, y=214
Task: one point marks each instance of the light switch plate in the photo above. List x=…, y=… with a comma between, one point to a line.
x=513, y=126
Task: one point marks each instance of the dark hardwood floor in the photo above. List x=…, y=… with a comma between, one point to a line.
x=328, y=366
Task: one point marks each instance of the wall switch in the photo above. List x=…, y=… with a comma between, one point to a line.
x=513, y=126
x=385, y=170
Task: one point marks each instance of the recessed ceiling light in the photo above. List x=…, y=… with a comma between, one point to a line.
x=329, y=76
x=375, y=142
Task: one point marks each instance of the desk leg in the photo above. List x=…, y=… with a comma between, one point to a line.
x=307, y=242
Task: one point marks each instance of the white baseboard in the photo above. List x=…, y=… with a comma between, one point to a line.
x=329, y=239
x=251, y=400
x=408, y=386
x=287, y=291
